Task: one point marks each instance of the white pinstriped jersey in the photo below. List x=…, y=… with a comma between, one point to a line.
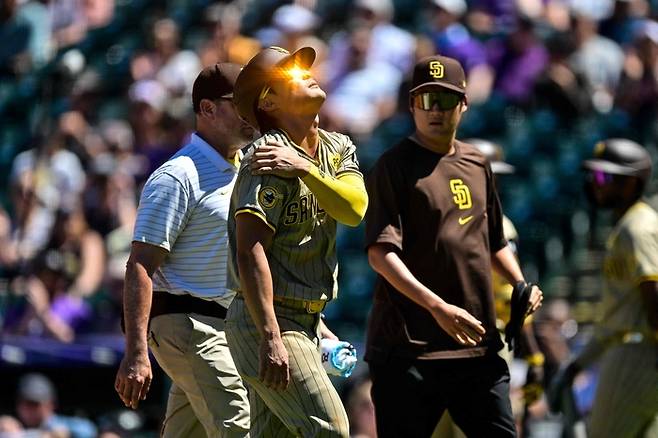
x=184, y=209
x=302, y=256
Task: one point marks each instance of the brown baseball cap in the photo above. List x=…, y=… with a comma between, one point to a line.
x=269, y=64
x=439, y=71
x=214, y=82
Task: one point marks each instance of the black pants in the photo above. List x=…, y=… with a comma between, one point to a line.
x=411, y=396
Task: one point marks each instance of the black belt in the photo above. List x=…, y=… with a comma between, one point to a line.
x=164, y=303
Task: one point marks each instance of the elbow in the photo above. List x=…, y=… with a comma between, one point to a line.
x=358, y=209
x=375, y=257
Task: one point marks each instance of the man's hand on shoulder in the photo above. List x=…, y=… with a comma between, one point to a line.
x=275, y=158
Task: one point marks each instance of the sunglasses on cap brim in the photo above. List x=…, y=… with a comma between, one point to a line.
x=444, y=100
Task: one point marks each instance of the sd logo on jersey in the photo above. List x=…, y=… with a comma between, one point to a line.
x=268, y=197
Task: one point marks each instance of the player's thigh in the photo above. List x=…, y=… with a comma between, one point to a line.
x=626, y=399
x=479, y=402
x=406, y=402
x=264, y=423
x=180, y=419
x=310, y=406
x=193, y=351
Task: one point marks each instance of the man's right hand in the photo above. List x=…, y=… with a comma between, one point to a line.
x=133, y=379
x=459, y=324
x=274, y=370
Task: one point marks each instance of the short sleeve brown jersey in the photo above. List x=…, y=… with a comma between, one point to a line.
x=443, y=216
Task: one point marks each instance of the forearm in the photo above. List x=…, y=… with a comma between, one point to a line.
x=393, y=269
x=505, y=263
x=345, y=198
x=256, y=284
x=137, y=296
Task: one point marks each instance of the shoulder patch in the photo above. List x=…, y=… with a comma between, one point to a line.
x=268, y=197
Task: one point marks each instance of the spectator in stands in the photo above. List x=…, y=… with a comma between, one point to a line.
x=600, y=59
x=69, y=269
x=390, y=44
x=637, y=93
x=226, y=43
x=518, y=61
x=36, y=401
x=359, y=100
x=176, y=68
x=559, y=88
x=14, y=57
x=451, y=38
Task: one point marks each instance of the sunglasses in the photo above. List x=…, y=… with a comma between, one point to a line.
x=444, y=100
x=600, y=178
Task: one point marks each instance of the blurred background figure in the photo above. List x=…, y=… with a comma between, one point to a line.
x=36, y=408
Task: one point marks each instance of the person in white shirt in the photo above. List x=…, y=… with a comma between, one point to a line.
x=175, y=295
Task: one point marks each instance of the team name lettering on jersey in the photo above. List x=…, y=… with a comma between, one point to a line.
x=298, y=212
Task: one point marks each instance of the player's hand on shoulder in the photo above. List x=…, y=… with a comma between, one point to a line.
x=536, y=299
x=459, y=324
x=275, y=158
x=133, y=379
x=274, y=370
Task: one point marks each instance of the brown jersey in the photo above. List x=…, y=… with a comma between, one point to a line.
x=443, y=216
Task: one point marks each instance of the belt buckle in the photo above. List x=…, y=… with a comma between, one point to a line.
x=314, y=306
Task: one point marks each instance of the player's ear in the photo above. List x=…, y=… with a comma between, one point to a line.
x=207, y=108
x=411, y=104
x=464, y=104
x=266, y=104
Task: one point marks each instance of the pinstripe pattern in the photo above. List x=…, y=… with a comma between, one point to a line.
x=310, y=407
x=627, y=396
x=302, y=256
x=184, y=209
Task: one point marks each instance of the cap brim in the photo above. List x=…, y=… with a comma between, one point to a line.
x=609, y=167
x=438, y=85
x=227, y=95
x=502, y=168
x=304, y=58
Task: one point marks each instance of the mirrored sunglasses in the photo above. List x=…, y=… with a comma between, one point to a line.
x=444, y=100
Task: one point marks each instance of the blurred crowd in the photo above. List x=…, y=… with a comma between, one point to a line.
x=96, y=94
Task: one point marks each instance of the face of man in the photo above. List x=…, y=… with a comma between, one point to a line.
x=295, y=92
x=437, y=111
x=608, y=190
x=33, y=413
x=230, y=124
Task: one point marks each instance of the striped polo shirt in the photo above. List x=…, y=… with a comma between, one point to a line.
x=184, y=209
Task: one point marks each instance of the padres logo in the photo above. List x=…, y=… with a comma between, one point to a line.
x=436, y=69
x=335, y=161
x=268, y=196
x=462, y=194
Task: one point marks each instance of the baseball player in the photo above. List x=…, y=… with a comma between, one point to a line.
x=175, y=286
x=625, y=338
x=433, y=233
x=282, y=229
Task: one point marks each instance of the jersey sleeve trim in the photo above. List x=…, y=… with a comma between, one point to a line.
x=645, y=278
x=256, y=213
x=349, y=171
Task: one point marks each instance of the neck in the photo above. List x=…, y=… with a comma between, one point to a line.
x=225, y=149
x=300, y=131
x=444, y=145
x=623, y=207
